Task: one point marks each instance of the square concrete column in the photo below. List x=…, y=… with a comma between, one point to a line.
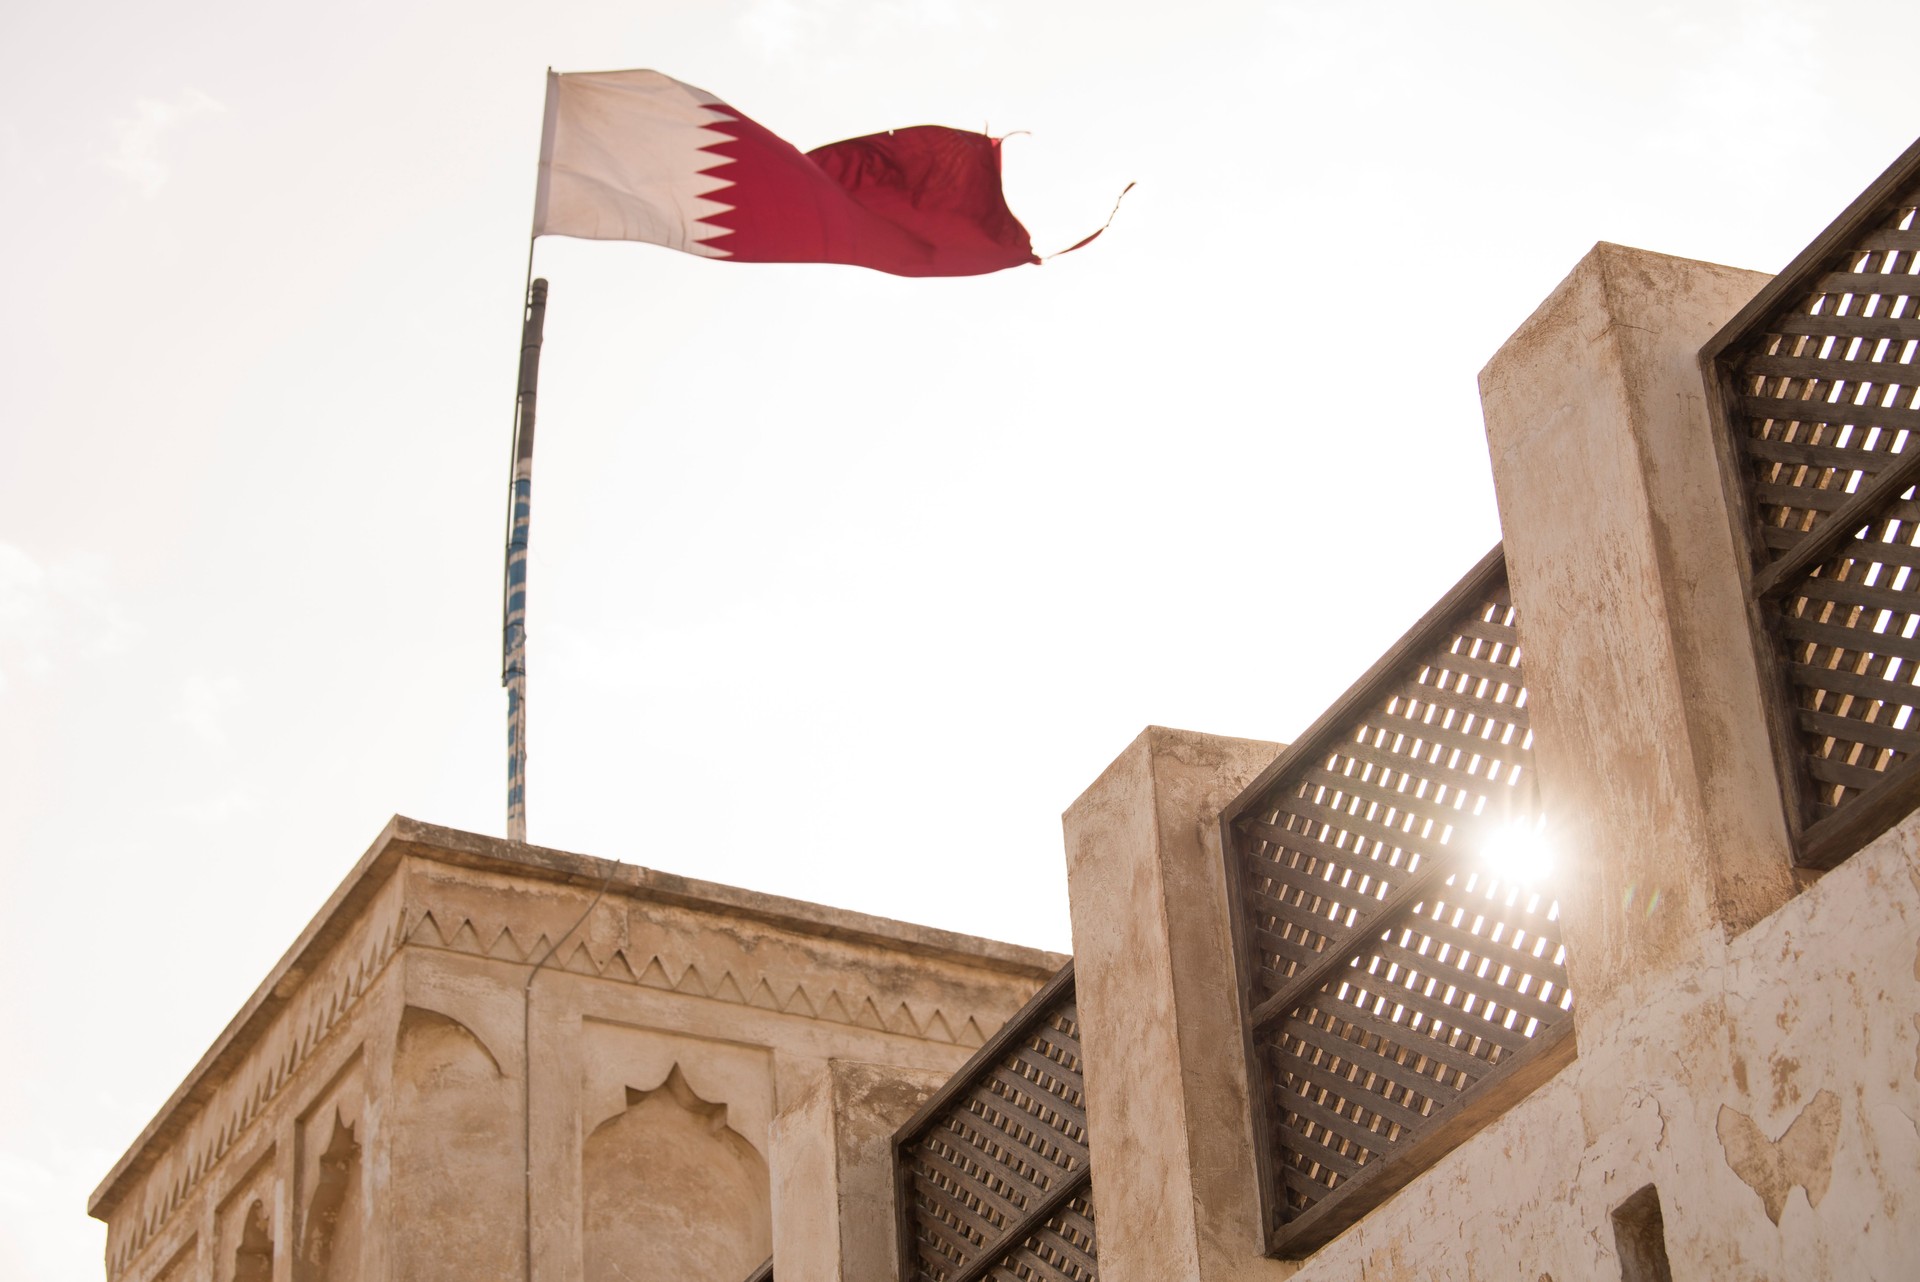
x=1655, y=766
x=833, y=1178
x=806, y=1231
x=1168, y=1122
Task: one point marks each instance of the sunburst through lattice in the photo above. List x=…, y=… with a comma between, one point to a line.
x=1824, y=409
x=1389, y=972
x=994, y=1180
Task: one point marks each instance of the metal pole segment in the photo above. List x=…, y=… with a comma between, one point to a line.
x=513, y=673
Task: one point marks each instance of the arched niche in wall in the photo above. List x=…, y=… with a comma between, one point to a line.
x=331, y=1233
x=457, y=1169
x=671, y=1193
x=253, y=1258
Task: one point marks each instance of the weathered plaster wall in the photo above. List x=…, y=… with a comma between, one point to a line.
x=1773, y=1098
x=372, y=1112
x=1746, y=1047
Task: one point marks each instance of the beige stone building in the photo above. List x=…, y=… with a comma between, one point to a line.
x=1329, y=1015
x=482, y=1058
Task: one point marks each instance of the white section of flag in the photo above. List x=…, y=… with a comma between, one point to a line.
x=621, y=159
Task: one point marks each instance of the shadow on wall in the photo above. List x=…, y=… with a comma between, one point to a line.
x=454, y=1111
x=671, y=1191
x=253, y=1260
x=330, y=1248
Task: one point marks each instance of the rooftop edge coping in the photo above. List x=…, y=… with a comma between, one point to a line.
x=403, y=836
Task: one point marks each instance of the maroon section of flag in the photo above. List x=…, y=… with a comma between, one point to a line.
x=635, y=155
x=924, y=201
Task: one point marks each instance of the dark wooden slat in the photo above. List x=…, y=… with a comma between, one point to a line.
x=972, y=1182
x=1892, y=371
x=1309, y=1189
x=1355, y=1093
x=1041, y=1096
x=1370, y=790
x=764, y=1273
x=1429, y=734
x=1297, y=1145
x=1900, y=691
x=1512, y=713
x=1832, y=838
x=1801, y=496
x=1828, y=536
x=1360, y=1094
x=1374, y=685
x=1779, y=539
x=1530, y=1003
x=1847, y=592
x=1892, y=238
x=1525, y=1004
x=1031, y=1018
x=1024, y=1229
x=1328, y=911
x=1861, y=777
x=1454, y=1058
x=1064, y=1078
x=987, y=1143
x=1432, y=758
x=1472, y=1022
x=1039, y=1268
x=1313, y=934
x=1798, y=324
x=1296, y=896
x=1449, y=667
x=1035, y=1121
x=1286, y=877
x=1537, y=925
x=1314, y=931
x=1401, y=900
x=1872, y=549
x=1287, y=951
x=939, y=1235
x=1347, y=860
x=1476, y=627
x=1362, y=826
x=1402, y=1076
x=1854, y=730
x=1025, y=1188
x=1863, y=639
x=1458, y=1121
x=939, y=1201
x=1332, y=1121
x=989, y=1052
x=1897, y=284
x=1874, y=206
x=1057, y=1077
x=1842, y=413
x=1442, y=929
x=1456, y=778
x=1803, y=454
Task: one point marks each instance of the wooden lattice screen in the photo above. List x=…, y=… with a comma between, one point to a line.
x=1815, y=384
x=992, y=1173
x=1399, y=996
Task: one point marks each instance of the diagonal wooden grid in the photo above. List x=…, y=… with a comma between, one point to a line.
x=1819, y=388
x=992, y=1173
x=1398, y=992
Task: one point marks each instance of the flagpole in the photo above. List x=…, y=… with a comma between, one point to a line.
x=513, y=674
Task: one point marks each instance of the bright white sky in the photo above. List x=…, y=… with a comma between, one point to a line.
x=843, y=586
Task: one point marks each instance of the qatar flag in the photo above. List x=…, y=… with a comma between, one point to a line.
x=635, y=155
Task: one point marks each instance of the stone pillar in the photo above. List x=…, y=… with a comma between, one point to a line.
x=833, y=1177
x=1160, y=1019
x=1655, y=767
x=806, y=1231
x=870, y=1103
